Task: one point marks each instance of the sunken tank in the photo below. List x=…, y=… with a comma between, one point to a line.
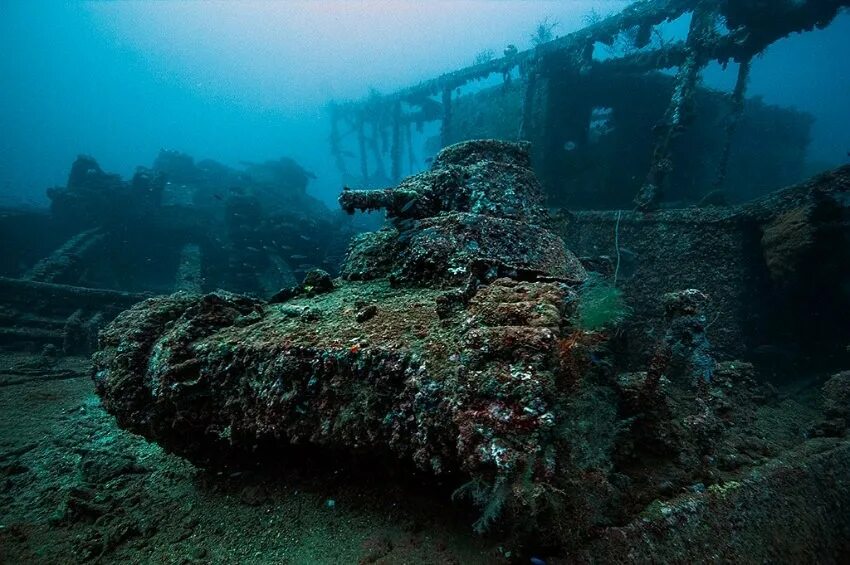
x=439, y=344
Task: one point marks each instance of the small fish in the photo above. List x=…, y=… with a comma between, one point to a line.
x=217, y=197
x=409, y=205
x=297, y=257
x=406, y=224
x=305, y=238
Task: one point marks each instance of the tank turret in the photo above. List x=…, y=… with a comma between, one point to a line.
x=479, y=208
x=487, y=177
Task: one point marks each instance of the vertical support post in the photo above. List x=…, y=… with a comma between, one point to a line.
x=408, y=141
x=361, y=142
x=375, y=143
x=395, y=150
x=678, y=111
x=336, y=149
x=735, y=112
x=189, y=269
x=528, y=103
x=446, y=131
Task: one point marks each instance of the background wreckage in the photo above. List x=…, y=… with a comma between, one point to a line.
x=453, y=341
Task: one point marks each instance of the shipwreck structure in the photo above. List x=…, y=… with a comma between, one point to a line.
x=107, y=242
x=457, y=341
x=609, y=129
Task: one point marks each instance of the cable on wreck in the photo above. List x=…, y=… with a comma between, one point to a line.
x=617, y=245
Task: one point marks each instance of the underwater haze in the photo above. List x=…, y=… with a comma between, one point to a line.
x=221, y=80
x=251, y=80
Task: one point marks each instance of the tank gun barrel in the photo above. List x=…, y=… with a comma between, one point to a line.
x=397, y=202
